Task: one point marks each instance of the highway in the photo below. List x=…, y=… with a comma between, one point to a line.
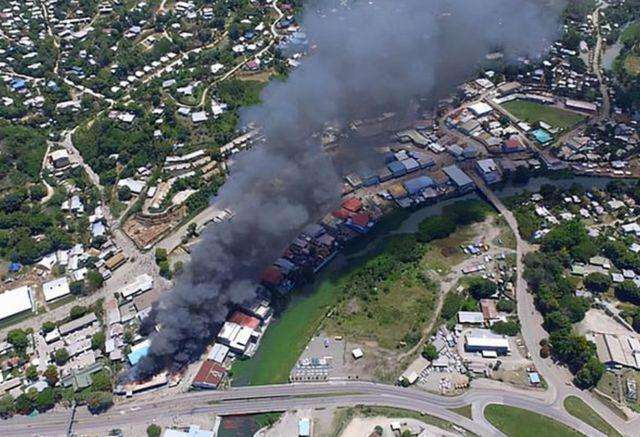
x=285, y=397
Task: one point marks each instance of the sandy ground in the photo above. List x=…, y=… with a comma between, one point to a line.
x=598, y=321
x=322, y=423
x=363, y=427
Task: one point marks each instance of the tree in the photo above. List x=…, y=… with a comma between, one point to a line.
x=45, y=400
x=556, y=320
x=506, y=305
x=154, y=430
x=451, y=305
x=161, y=255
x=7, y=406
x=165, y=270
x=23, y=404
x=430, y=352
x=628, y=291
x=101, y=381
x=37, y=192
x=99, y=401
x=48, y=327
x=509, y=328
x=51, y=374
x=32, y=373
x=98, y=341
x=61, y=356
x=590, y=373
x=77, y=287
x=124, y=193
x=18, y=339
x=481, y=288
x=597, y=282
x=94, y=280
x=77, y=311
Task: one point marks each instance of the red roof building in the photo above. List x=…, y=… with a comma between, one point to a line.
x=210, y=375
x=352, y=204
x=272, y=276
x=341, y=214
x=244, y=320
x=361, y=220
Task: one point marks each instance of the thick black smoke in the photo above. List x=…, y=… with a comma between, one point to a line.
x=369, y=57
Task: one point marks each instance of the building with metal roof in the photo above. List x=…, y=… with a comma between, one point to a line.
x=459, y=178
x=416, y=185
x=55, y=289
x=16, y=301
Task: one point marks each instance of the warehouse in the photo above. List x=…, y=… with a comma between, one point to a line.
x=459, y=178
x=236, y=337
x=416, y=185
x=483, y=340
x=480, y=109
x=617, y=351
x=55, y=289
x=15, y=301
x=397, y=169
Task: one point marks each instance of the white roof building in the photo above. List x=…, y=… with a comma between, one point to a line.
x=470, y=317
x=15, y=301
x=479, y=109
x=141, y=284
x=54, y=289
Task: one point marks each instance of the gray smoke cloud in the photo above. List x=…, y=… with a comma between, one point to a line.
x=365, y=58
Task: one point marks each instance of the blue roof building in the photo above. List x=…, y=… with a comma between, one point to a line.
x=460, y=179
x=397, y=169
x=416, y=185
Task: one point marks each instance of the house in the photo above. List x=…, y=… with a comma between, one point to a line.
x=488, y=170
x=513, y=145
x=55, y=289
x=470, y=317
x=489, y=310
x=210, y=375
x=59, y=158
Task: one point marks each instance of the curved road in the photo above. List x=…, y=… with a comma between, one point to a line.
x=284, y=397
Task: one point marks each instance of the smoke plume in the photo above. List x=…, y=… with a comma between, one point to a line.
x=366, y=57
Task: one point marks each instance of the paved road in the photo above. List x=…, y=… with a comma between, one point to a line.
x=283, y=397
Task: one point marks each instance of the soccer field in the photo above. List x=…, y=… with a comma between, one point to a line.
x=534, y=112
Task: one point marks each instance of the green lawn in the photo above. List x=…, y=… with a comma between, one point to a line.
x=516, y=422
x=534, y=112
x=579, y=409
x=285, y=340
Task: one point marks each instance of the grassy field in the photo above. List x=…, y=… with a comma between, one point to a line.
x=406, y=304
x=579, y=409
x=516, y=422
x=463, y=411
x=632, y=64
x=285, y=340
x=534, y=112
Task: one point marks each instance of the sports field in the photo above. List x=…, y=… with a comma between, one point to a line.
x=532, y=113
